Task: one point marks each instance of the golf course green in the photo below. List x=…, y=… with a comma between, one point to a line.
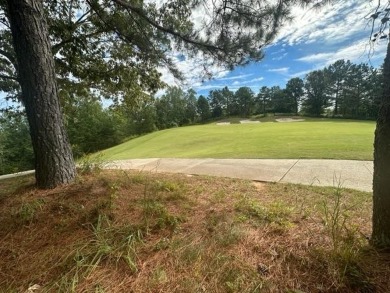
x=311, y=139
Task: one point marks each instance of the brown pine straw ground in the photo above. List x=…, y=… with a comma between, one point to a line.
x=118, y=231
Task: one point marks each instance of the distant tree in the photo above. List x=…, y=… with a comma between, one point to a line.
x=337, y=74
x=203, y=108
x=316, y=87
x=217, y=103
x=294, y=92
x=16, y=153
x=263, y=100
x=230, y=106
x=90, y=127
x=280, y=101
x=354, y=90
x=190, y=114
x=245, y=99
x=373, y=96
x=234, y=105
x=170, y=108
x=140, y=115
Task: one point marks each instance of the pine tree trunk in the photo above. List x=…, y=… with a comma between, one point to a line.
x=381, y=184
x=54, y=164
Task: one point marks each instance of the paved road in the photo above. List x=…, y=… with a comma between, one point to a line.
x=350, y=174
x=17, y=174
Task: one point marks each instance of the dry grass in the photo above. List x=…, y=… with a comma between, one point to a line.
x=142, y=232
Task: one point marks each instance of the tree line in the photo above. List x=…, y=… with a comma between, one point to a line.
x=342, y=89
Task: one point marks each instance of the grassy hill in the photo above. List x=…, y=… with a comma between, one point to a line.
x=314, y=138
x=128, y=231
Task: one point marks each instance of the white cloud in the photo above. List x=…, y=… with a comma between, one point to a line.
x=242, y=76
x=281, y=51
x=320, y=57
x=280, y=57
x=330, y=25
x=357, y=52
x=303, y=73
x=282, y=70
x=256, y=79
x=209, y=87
x=192, y=70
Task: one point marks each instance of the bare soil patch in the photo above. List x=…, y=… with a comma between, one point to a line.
x=289, y=120
x=249, y=121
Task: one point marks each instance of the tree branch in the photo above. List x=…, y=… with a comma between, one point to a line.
x=58, y=46
x=9, y=77
x=142, y=14
x=8, y=56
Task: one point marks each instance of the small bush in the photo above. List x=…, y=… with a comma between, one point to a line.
x=91, y=164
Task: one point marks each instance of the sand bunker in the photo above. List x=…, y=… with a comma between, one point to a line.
x=249, y=121
x=289, y=120
x=223, y=123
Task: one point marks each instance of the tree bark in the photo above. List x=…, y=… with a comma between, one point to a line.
x=381, y=184
x=54, y=164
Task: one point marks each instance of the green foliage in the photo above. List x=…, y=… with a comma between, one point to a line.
x=361, y=92
x=136, y=117
x=109, y=243
x=176, y=108
x=275, y=99
x=335, y=218
x=337, y=73
x=317, y=97
x=169, y=108
x=203, y=108
x=156, y=215
x=225, y=232
x=342, y=89
x=190, y=115
x=349, y=90
x=16, y=152
x=277, y=213
x=89, y=164
x=244, y=100
x=347, y=242
x=92, y=128
x=294, y=92
x=26, y=213
x=280, y=101
x=262, y=102
x=217, y=103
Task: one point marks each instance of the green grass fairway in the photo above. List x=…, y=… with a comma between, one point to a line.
x=325, y=139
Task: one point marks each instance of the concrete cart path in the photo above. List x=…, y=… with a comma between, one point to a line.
x=347, y=173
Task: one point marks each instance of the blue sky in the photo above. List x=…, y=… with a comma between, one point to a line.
x=313, y=40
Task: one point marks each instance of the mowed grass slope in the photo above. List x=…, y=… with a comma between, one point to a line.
x=321, y=139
